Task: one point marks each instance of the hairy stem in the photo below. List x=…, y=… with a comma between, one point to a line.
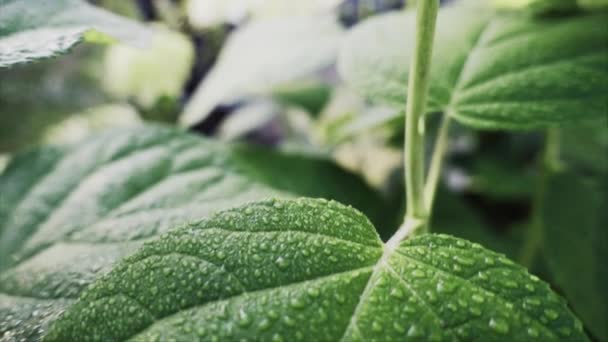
x=441, y=144
x=426, y=17
x=549, y=162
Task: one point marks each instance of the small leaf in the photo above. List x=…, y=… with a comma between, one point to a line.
x=262, y=55
x=32, y=30
x=488, y=71
x=314, y=270
x=66, y=216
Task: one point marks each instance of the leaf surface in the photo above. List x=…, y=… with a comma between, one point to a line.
x=263, y=55
x=313, y=270
x=66, y=216
x=488, y=71
x=34, y=29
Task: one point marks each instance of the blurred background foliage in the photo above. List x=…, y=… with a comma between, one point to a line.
x=263, y=72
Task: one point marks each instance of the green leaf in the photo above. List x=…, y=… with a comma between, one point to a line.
x=32, y=30
x=34, y=97
x=576, y=250
x=67, y=216
x=313, y=270
x=488, y=71
x=263, y=55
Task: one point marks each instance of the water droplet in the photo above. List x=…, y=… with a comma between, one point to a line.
x=551, y=314
x=340, y=298
x=313, y=292
x=414, y=331
x=282, y=263
x=418, y=274
x=397, y=293
x=220, y=255
x=565, y=331
x=444, y=287
x=464, y=261
x=533, y=332
x=290, y=322
x=478, y=298
x=421, y=125
x=499, y=325
x=273, y=315
x=400, y=328
x=248, y=211
x=264, y=324
x=376, y=326
x=244, y=319
x=297, y=303
x=532, y=301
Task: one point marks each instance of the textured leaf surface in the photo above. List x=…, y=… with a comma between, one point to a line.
x=67, y=216
x=35, y=29
x=488, y=71
x=576, y=244
x=313, y=270
x=263, y=55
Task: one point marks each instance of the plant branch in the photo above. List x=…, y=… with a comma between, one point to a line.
x=426, y=17
x=432, y=180
x=548, y=162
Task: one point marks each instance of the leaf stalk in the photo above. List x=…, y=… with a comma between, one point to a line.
x=426, y=18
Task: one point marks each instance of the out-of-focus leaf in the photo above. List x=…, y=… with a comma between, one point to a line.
x=91, y=121
x=147, y=75
x=488, y=71
x=311, y=96
x=549, y=6
x=34, y=29
x=263, y=55
x=247, y=118
x=498, y=179
x=34, y=97
x=575, y=214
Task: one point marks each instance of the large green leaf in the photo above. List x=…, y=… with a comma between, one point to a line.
x=35, y=29
x=576, y=244
x=313, y=270
x=265, y=54
x=488, y=71
x=66, y=216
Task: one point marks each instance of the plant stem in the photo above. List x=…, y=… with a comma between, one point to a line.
x=441, y=144
x=426, y=17
x=548, y=162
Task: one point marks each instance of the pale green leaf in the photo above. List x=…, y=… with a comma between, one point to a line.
x=34, y=29
x=67, y=216
x=488, y=71
x=313, y=270
x=263, y=55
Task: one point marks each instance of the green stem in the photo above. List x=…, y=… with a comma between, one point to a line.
x=414, y=118
x=441, y=144
x=548, y=163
